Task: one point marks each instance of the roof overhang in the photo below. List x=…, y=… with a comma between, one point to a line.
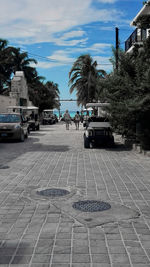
x=98, y=104
x=32, y=108
x=99, y=125
x=145, y=10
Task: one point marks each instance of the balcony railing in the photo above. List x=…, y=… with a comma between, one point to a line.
x=135, y=37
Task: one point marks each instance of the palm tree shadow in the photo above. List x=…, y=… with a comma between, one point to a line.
x=34, y=145
x=30, y=145
x=49, y=148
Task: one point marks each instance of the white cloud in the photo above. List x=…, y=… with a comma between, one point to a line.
x=96, y=48
x=99, y=47
x=68, y=56
x=61, y=56
x=106, y=28
x=33, y=21
x=73, y=34
x=58, y=58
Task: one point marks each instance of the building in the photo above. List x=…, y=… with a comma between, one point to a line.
x=142, y=31
x=19, y=89
x=18, y=95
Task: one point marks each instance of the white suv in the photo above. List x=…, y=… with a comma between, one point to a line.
x=13, y=126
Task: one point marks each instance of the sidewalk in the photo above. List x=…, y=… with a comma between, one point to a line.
x=56, y=231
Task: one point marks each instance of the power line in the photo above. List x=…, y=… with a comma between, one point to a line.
x=55, y=60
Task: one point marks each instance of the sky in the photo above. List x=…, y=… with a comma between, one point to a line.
x=57, y=32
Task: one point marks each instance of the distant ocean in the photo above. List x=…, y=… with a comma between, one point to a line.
x=72, y=113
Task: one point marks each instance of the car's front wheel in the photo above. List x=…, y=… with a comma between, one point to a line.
x=86, y=142
x=26, y=135
x=22, y=137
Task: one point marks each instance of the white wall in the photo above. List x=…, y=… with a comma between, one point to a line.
x=6, y=101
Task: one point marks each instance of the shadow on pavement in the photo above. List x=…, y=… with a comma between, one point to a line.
x=115, y=148
x=47, y=130
x=7, y=251
x=119, y=147
x=16, y=149
x=51, y=148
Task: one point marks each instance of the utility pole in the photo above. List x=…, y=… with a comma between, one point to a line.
x=117, y=46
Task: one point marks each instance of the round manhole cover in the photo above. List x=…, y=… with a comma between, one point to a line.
x=91, y=206
x=53, y=192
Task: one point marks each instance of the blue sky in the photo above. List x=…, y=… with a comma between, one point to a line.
x=56, y=32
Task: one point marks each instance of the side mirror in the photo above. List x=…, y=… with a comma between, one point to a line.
x=24, y=120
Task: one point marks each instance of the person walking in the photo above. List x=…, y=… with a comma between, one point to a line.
x=77, y=119
x=67, y=119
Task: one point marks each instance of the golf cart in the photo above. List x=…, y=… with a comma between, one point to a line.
x=98, y=134
x=33, y=118
x=98, y=129
x=48, y=117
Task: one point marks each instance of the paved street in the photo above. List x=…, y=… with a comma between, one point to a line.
x=50, y=231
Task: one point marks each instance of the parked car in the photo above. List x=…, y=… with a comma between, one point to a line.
x=13, y=126
x=19, y=109
x=98, y=134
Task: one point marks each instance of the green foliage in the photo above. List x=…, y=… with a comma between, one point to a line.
x=128, y=92
x=83, y=77
x=12, y=60
x=44, y=95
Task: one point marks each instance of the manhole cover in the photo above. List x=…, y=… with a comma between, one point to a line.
x=53, y=192
x=4, y=167
x=91, y=205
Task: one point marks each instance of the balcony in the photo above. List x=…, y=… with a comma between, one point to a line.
x=137, y=37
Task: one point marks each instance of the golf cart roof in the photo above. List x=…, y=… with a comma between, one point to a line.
x=99, y=125
x=16, y=107
x=48, y=110
x=10, y=113
x=32, y=108
x=98, y=104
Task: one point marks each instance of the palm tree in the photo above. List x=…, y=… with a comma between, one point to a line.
x=83, y=78
x=11, y=60
x=53, y=93
x=5, y=67
x=21, y=62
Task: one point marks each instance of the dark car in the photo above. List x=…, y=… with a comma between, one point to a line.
x=13, y=126
x=98, y=134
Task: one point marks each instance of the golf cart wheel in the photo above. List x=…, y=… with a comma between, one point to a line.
x=26, y=135
x=86, y=143
x=38, y=128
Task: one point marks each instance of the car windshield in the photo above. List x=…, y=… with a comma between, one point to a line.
x=11, y=118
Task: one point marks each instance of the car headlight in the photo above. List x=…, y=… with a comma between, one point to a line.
x=17, y=126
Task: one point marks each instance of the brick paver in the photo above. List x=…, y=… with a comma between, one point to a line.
x=37, y=231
